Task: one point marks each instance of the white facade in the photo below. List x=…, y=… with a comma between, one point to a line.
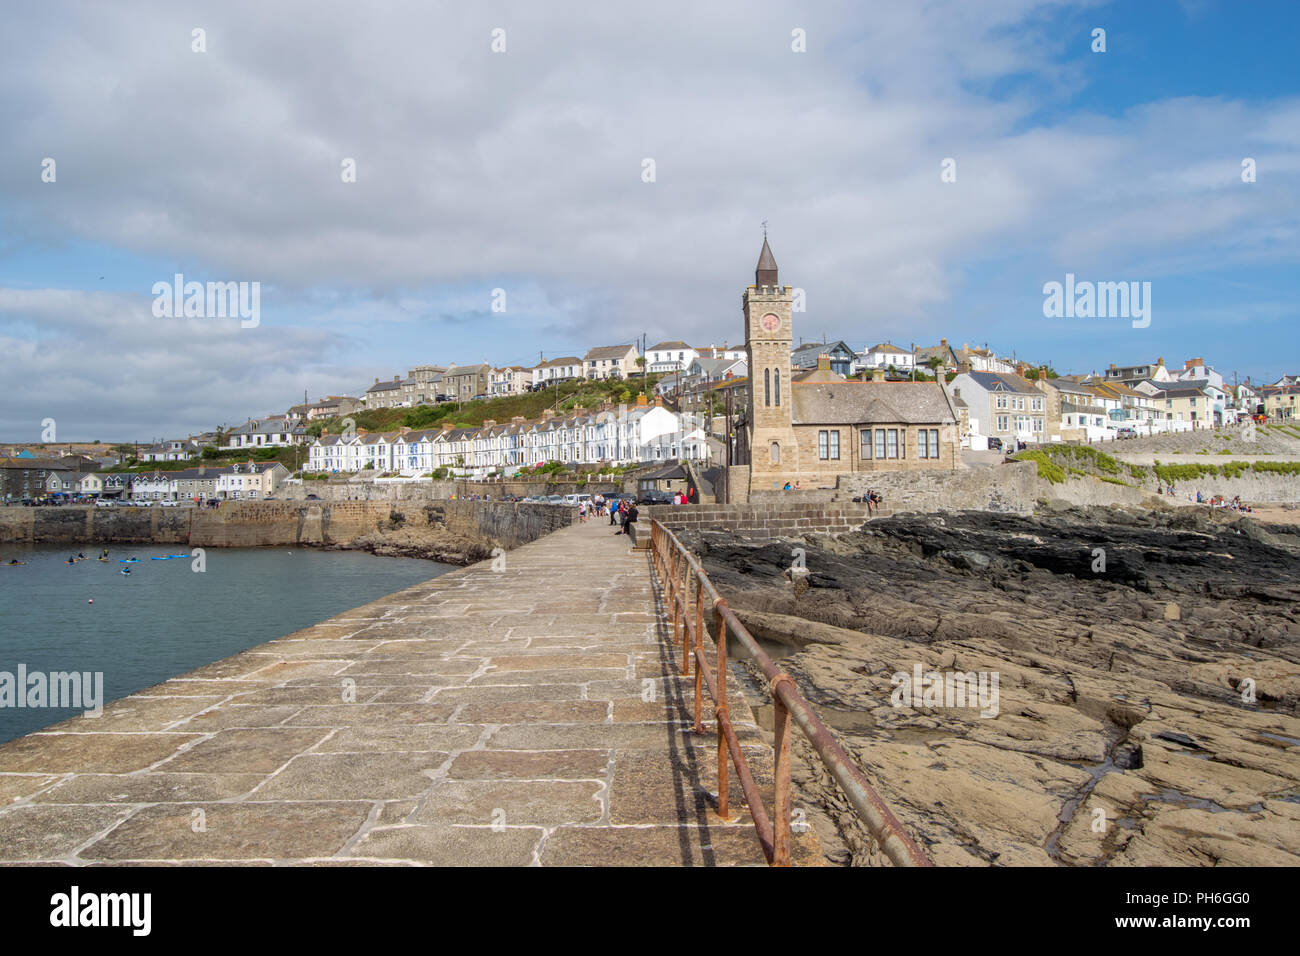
x=670, y=357
x=882, y=356
x=617, y=437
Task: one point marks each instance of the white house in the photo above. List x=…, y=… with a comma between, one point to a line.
x=669, y=357
x=272, y=432
x=610, y=361
x=883, y=355
x=557, y=370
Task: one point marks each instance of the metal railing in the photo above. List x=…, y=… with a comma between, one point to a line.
x=685, y=587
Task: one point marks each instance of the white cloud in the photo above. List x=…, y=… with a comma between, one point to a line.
x=522, y=170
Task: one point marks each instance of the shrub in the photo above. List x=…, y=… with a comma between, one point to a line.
x=1047, y=469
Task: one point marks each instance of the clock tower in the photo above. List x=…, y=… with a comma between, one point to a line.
x=774, y=454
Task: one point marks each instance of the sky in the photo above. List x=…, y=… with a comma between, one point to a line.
x=503, y=209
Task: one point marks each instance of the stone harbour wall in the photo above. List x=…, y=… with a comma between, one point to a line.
x=281, y=523
x=776, y=519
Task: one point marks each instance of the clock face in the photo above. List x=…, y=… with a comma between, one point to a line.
x=771, y=322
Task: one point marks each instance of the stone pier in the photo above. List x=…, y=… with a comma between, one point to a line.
x=518, y=712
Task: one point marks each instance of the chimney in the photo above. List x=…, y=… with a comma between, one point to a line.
x=956, y=394
x=1160, y=361
x=363, y=432
x=963, y=368
x=942, y=342
x=518, y=420
x=659, y=401
x=447, y=426
x=548, y=414
x=823, y=363
x=489, y=422
x=640, y=400
x=1112, y=364
x=404, y=430
x=376, y=380
x=877, y=374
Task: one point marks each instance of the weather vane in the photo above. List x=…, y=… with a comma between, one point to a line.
x=764, y=228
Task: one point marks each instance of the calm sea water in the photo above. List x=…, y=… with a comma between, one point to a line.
x=165, y=619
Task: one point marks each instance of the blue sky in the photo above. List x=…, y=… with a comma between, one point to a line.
x=522, y=171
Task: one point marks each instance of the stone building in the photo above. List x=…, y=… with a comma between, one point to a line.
x=810, y=430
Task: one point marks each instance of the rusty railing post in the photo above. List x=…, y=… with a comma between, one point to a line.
x=720, y=712
x=781, y=775
x=676, y=605
x=684, y=594
x=699, y=650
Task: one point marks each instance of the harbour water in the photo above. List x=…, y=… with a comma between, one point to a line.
x=165, y=618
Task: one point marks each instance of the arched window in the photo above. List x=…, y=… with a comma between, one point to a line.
x=767, y=386
x=778, y=386
x=776, y=453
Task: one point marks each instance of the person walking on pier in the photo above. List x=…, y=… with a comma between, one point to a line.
x=629, y=519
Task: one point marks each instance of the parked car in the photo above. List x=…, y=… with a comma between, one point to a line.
x=652, y=496
x=1126, y=433
x=995, y=444
x=104, y=503
x=313, y=497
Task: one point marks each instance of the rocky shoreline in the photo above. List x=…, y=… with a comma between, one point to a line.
x=1147, y=666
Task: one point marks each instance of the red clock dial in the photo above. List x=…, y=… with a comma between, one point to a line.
x=771, y=322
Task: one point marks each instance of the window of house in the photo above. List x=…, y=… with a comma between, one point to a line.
x=777, y=375
x=1038, y=404
x=775, y=450
x=923, y=443
x=934, y=443
x=767, y=386
x=892, y=442
x=1002, y=401
x=880, y=443
x=1002, y=423
x=865, y=452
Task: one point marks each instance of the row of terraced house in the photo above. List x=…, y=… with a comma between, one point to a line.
x=613, y=436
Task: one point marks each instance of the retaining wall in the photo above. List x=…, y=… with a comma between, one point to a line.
x=277, y=523
x=778, y=519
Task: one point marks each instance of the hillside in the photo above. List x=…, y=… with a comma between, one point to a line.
x=587, y=393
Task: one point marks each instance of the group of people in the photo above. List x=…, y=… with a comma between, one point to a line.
x=621, y=511
x=1219, y=501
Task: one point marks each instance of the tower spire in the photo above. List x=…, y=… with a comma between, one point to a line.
x=765, y=273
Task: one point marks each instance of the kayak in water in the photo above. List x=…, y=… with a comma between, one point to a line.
x=128, y=560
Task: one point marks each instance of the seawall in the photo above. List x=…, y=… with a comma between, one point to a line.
x=467, y=530
x=361, y=489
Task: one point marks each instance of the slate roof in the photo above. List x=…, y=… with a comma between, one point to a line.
x=1004, y=382
x=850, y=403
x=608, y=352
